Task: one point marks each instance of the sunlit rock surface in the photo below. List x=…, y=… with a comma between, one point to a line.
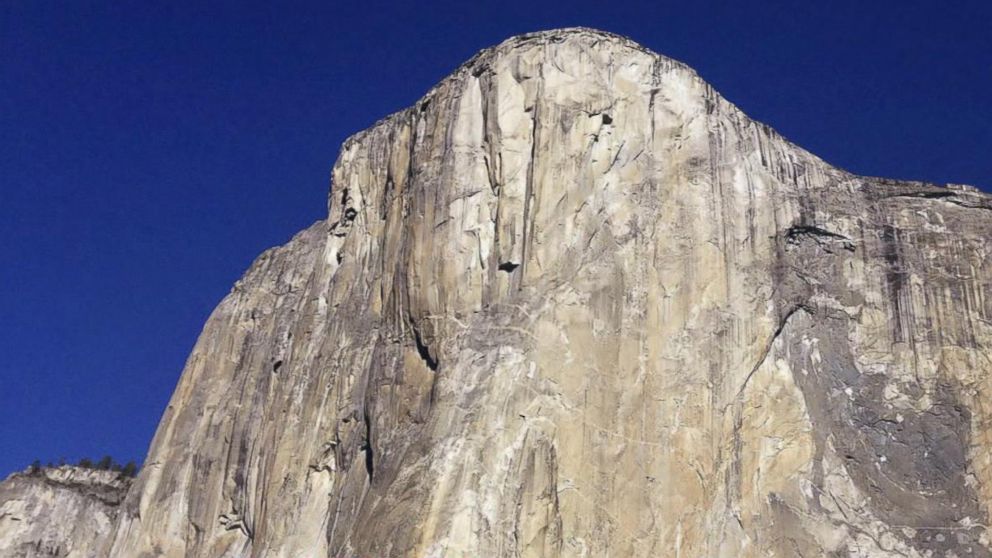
x=64, y=512
x=574, y=303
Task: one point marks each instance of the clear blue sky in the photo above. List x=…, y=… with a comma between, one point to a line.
x=150, y=150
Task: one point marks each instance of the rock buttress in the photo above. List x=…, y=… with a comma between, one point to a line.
x=575, y=303
x=59, y=512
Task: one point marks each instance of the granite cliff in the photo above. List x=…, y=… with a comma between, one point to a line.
x=59, y=511
x=575, y=303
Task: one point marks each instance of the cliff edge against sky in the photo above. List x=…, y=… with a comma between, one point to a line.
x=575, y=303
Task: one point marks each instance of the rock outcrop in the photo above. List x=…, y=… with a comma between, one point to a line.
x=575, y=303
x=64, y=512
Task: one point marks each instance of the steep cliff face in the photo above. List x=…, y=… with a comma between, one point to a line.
x=574, y=303
x=64, y=512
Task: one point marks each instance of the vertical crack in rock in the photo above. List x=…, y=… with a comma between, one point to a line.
x=424, y=351
x=368, y=448
x=894, y=278
x=527, y=233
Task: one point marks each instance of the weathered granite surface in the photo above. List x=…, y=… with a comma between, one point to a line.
x=575, y=303
x=64, y=512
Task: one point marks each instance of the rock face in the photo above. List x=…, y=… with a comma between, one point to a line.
x=574, y=303
x=64, y=512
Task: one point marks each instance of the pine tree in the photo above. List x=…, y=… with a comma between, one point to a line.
x=105, y=463
x=130, y=470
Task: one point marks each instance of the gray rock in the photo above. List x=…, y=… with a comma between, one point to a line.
x=59, y=512
x=575, y=303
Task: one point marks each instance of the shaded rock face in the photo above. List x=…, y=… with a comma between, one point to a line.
x=64, y=512
x=575, y=303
